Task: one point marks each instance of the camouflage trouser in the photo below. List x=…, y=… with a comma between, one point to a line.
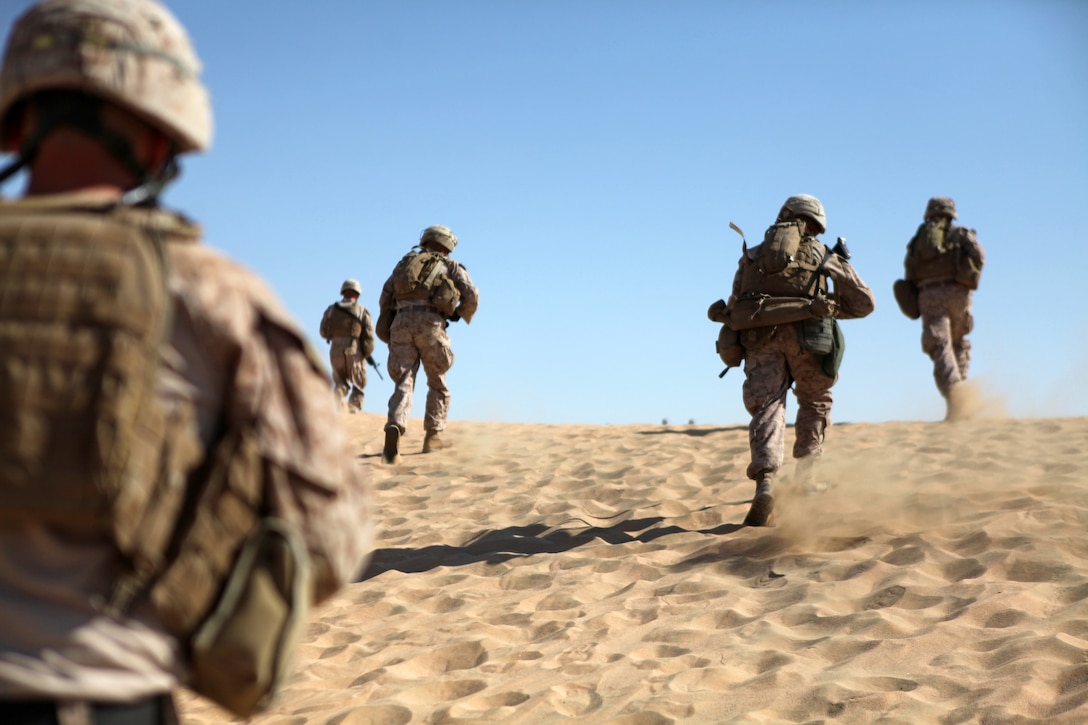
x=419, y=336
x=946, y=320
x=773, y=358
x=348, y=371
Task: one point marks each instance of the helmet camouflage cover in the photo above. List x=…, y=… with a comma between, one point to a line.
x=133, y=53
x=351, y=285
x=940, y=205
x=439, y=235
x=807, y=206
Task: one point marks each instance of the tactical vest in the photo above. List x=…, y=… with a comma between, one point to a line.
x=424, y=276
x=343, y=321
x=933, y=252
x=798, y=278
x=84, y=309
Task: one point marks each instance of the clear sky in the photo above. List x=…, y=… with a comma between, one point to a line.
x=589, y=154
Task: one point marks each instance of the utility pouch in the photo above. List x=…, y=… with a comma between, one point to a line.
x=729, y=348
x=968, y=272
x=817, y=335
x=240, y=653
x=384, y=326
x=906, y=296
x=833, y=359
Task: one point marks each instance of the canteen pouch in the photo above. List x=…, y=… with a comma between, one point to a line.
x=239, y=655
x=906, y=296
x=729, y=348
x=384, y=326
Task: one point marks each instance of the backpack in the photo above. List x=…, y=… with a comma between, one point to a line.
x=84, y=443
x=780, y=244
x=344, y=324
x=83, y=312
x=423, y=275
x=930, y=240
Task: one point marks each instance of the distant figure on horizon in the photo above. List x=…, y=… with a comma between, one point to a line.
x=942, y=269
x=781, y=321
x=426, y=291
x=347, y=328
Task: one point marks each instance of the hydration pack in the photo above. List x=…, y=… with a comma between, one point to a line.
x=929, y=241
x=780, y=245
x=423, y=275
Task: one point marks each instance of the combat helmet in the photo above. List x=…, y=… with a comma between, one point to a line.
x=440, y=235
x=804, y=205
x=941, y=205
x=351, y=285
x=131, y=53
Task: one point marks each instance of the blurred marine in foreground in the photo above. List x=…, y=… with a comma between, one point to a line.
x=174, y=488
x=782, y=322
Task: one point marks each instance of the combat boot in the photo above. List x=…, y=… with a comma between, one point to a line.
x=433, y=442
x=762, y=503
x=391, y=453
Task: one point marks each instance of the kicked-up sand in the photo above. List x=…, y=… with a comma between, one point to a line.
x=600, y=574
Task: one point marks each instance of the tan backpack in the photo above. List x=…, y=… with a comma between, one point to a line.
x=424, y=275
x=85, y=444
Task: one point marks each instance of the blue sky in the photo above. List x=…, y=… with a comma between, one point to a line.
x=589, y=154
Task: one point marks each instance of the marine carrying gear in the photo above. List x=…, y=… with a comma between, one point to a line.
x=85, y=444
x=422, y=275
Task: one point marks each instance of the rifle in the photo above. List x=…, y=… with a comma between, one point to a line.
x=373, y=364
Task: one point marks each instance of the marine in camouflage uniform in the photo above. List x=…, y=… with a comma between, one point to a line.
x=347, y=327
x=418, y=336
x=775, y=357
x=97, y=98
x=944, y=287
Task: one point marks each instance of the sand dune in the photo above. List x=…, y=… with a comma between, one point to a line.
x=600, y=574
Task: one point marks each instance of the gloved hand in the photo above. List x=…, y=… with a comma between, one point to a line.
x=823, y=307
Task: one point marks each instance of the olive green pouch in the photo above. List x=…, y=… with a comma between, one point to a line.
x=240, y=654
x=817, y=335
x=833, y=359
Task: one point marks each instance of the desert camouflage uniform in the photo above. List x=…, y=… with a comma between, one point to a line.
x=418, y=335
x=233, y=355
x=945, y=308
x=347, y=355
x=774, y=357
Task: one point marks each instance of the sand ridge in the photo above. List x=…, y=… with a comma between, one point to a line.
x=600, y=574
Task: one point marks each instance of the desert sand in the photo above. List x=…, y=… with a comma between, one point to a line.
x=600, y=574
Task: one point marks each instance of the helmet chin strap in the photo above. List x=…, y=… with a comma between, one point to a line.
x=82, y=112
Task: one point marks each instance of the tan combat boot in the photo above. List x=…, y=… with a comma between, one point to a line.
x=433, y=442
x=391, y=453
x=762, y=503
